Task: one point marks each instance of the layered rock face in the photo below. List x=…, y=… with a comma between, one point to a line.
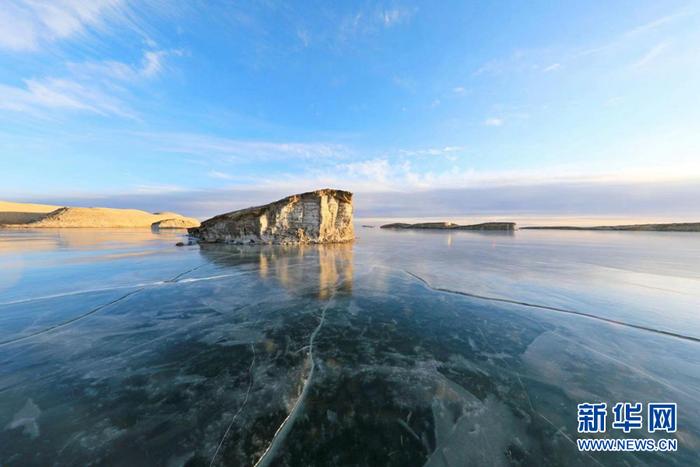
x=322, y=216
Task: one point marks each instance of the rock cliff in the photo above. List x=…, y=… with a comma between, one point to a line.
x=322, y=216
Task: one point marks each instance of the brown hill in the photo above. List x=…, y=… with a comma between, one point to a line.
x=176, y=223
x=46, y=216
x=21, y=213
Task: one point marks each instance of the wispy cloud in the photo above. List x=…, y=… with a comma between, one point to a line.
x=651, y=55
x=304, y=37
x=220, y=175
x=392, y=16
x=518, y=61
x=372, y=20
x=404, y=83
x=493, y=121
x=377, y=170
x=153, y=62
x=440, y=151
x=631, y=36
x=209, y=145
x=389, y=175
x=99, y=70
x=661, y=21
x=622, y=48
x=88, y=87
x=158, y=189
x=38, y=95
x=25, y=25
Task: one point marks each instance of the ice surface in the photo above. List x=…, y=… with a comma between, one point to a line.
x=118, y=348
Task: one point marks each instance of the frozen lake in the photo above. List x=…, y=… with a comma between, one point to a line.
x=404, y=348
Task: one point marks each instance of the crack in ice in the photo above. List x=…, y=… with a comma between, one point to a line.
x=70, y=321
x=240, y=409
x=80, y=292
x=288, y=422
x=119, y=287
x=174, y=280
x=553, y=308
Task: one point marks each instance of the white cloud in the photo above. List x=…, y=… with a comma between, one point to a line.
x=371, y=20
x=158, y=189
x=517, y=62
x=304, y=37
x=459, y=90
x=651, y=55
x=661, y=21
x=208, y=145
x=27, y=24
x=38, y=95
x=152, y=63
x=441, y=151
x=404, y=83
x=493, y=121
x=393, y=16
x=614, y=101
x=90, y=87
x=632, y=36
x=382, y=174
x=375, y=170
x=615, y=51
x=220, y=175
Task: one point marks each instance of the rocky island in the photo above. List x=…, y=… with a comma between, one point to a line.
x=508, y=226
x=322, y=216
x=672, y=227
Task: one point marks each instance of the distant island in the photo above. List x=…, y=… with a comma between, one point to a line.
x=509, y=226
x=24, y=215
x=671, y=227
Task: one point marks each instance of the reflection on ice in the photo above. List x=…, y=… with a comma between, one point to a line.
x=333, y=355
x=297, y=268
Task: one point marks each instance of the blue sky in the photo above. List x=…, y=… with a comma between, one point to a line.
x=228, y=103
